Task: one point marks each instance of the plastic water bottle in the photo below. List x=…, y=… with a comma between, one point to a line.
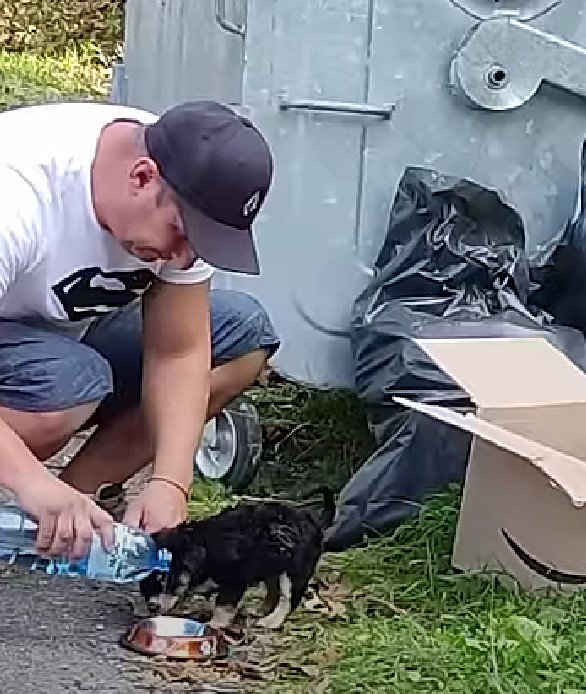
x=133, y=556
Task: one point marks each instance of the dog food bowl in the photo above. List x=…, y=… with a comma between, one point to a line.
x=175, y=637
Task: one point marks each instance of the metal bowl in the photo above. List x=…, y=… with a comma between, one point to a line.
x=176, y=637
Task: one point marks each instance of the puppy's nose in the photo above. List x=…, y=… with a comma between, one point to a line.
x=154, y=606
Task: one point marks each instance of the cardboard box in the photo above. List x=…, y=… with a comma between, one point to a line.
x=523, y=506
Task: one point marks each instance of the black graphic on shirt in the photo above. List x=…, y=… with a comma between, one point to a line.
x=92, y=292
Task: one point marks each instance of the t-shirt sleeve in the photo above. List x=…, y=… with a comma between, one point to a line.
x=20, y=247
x=198, y=272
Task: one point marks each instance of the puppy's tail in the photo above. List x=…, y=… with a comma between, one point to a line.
x=328, y=510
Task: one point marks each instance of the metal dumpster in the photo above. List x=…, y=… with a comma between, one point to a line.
x=349, y=93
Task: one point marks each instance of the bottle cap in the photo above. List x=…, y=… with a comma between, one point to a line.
x=163, y=560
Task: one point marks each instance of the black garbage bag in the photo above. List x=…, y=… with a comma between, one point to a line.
x=562, y=287
x=561, y=281
x=453, y=265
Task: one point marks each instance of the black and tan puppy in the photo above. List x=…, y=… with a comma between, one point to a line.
x=267, y=542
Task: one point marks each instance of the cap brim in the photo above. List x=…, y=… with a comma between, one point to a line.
x=224, y=247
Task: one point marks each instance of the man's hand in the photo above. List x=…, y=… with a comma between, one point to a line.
x=66, y=518
x=160, y=506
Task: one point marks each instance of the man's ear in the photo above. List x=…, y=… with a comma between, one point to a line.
x=144, y=171
x=194, y=558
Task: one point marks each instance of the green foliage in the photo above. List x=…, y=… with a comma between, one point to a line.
x=28, y=78
x=417, y=625
x=55, y=26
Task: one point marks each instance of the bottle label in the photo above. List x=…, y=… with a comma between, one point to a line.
x=123, y=562
x=101, y=564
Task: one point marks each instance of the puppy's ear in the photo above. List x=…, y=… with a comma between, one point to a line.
x=194, y=557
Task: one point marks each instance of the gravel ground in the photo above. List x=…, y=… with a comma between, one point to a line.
x=61, y=635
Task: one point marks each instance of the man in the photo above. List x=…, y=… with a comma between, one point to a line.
x=111, y=223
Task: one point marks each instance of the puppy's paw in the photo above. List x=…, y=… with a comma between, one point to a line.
x=271, y=622
x=223, y=616
x=162, y=604
x=256, y=613
x=260, y=611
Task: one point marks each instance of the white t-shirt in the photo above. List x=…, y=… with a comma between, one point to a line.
x=58, y=266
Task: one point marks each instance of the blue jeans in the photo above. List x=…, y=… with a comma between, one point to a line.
x=43, y=371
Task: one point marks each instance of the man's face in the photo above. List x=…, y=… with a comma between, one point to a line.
x=150, y=225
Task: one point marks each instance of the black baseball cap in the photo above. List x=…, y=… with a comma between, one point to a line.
x=220, y=167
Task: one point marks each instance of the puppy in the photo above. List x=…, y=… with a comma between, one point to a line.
x=268, y=542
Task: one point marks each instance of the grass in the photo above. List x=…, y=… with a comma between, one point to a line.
x=27, y=78
x=399, y=619
x=402, y=620
x=418, y=626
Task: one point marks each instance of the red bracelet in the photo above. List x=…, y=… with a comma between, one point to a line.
x=173, y=483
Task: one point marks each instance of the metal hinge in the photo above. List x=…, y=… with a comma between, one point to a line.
x=502, y=63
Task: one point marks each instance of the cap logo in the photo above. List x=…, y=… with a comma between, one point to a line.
x=251, y=205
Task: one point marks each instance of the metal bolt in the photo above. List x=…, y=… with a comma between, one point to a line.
x=497, y=77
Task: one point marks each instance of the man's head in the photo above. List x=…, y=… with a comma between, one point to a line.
x=189, y=185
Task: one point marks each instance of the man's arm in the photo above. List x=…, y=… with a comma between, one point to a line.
x=176, y=373
x=66, y=518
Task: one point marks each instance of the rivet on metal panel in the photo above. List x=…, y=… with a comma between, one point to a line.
x=502, y=62
x=225, y=23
